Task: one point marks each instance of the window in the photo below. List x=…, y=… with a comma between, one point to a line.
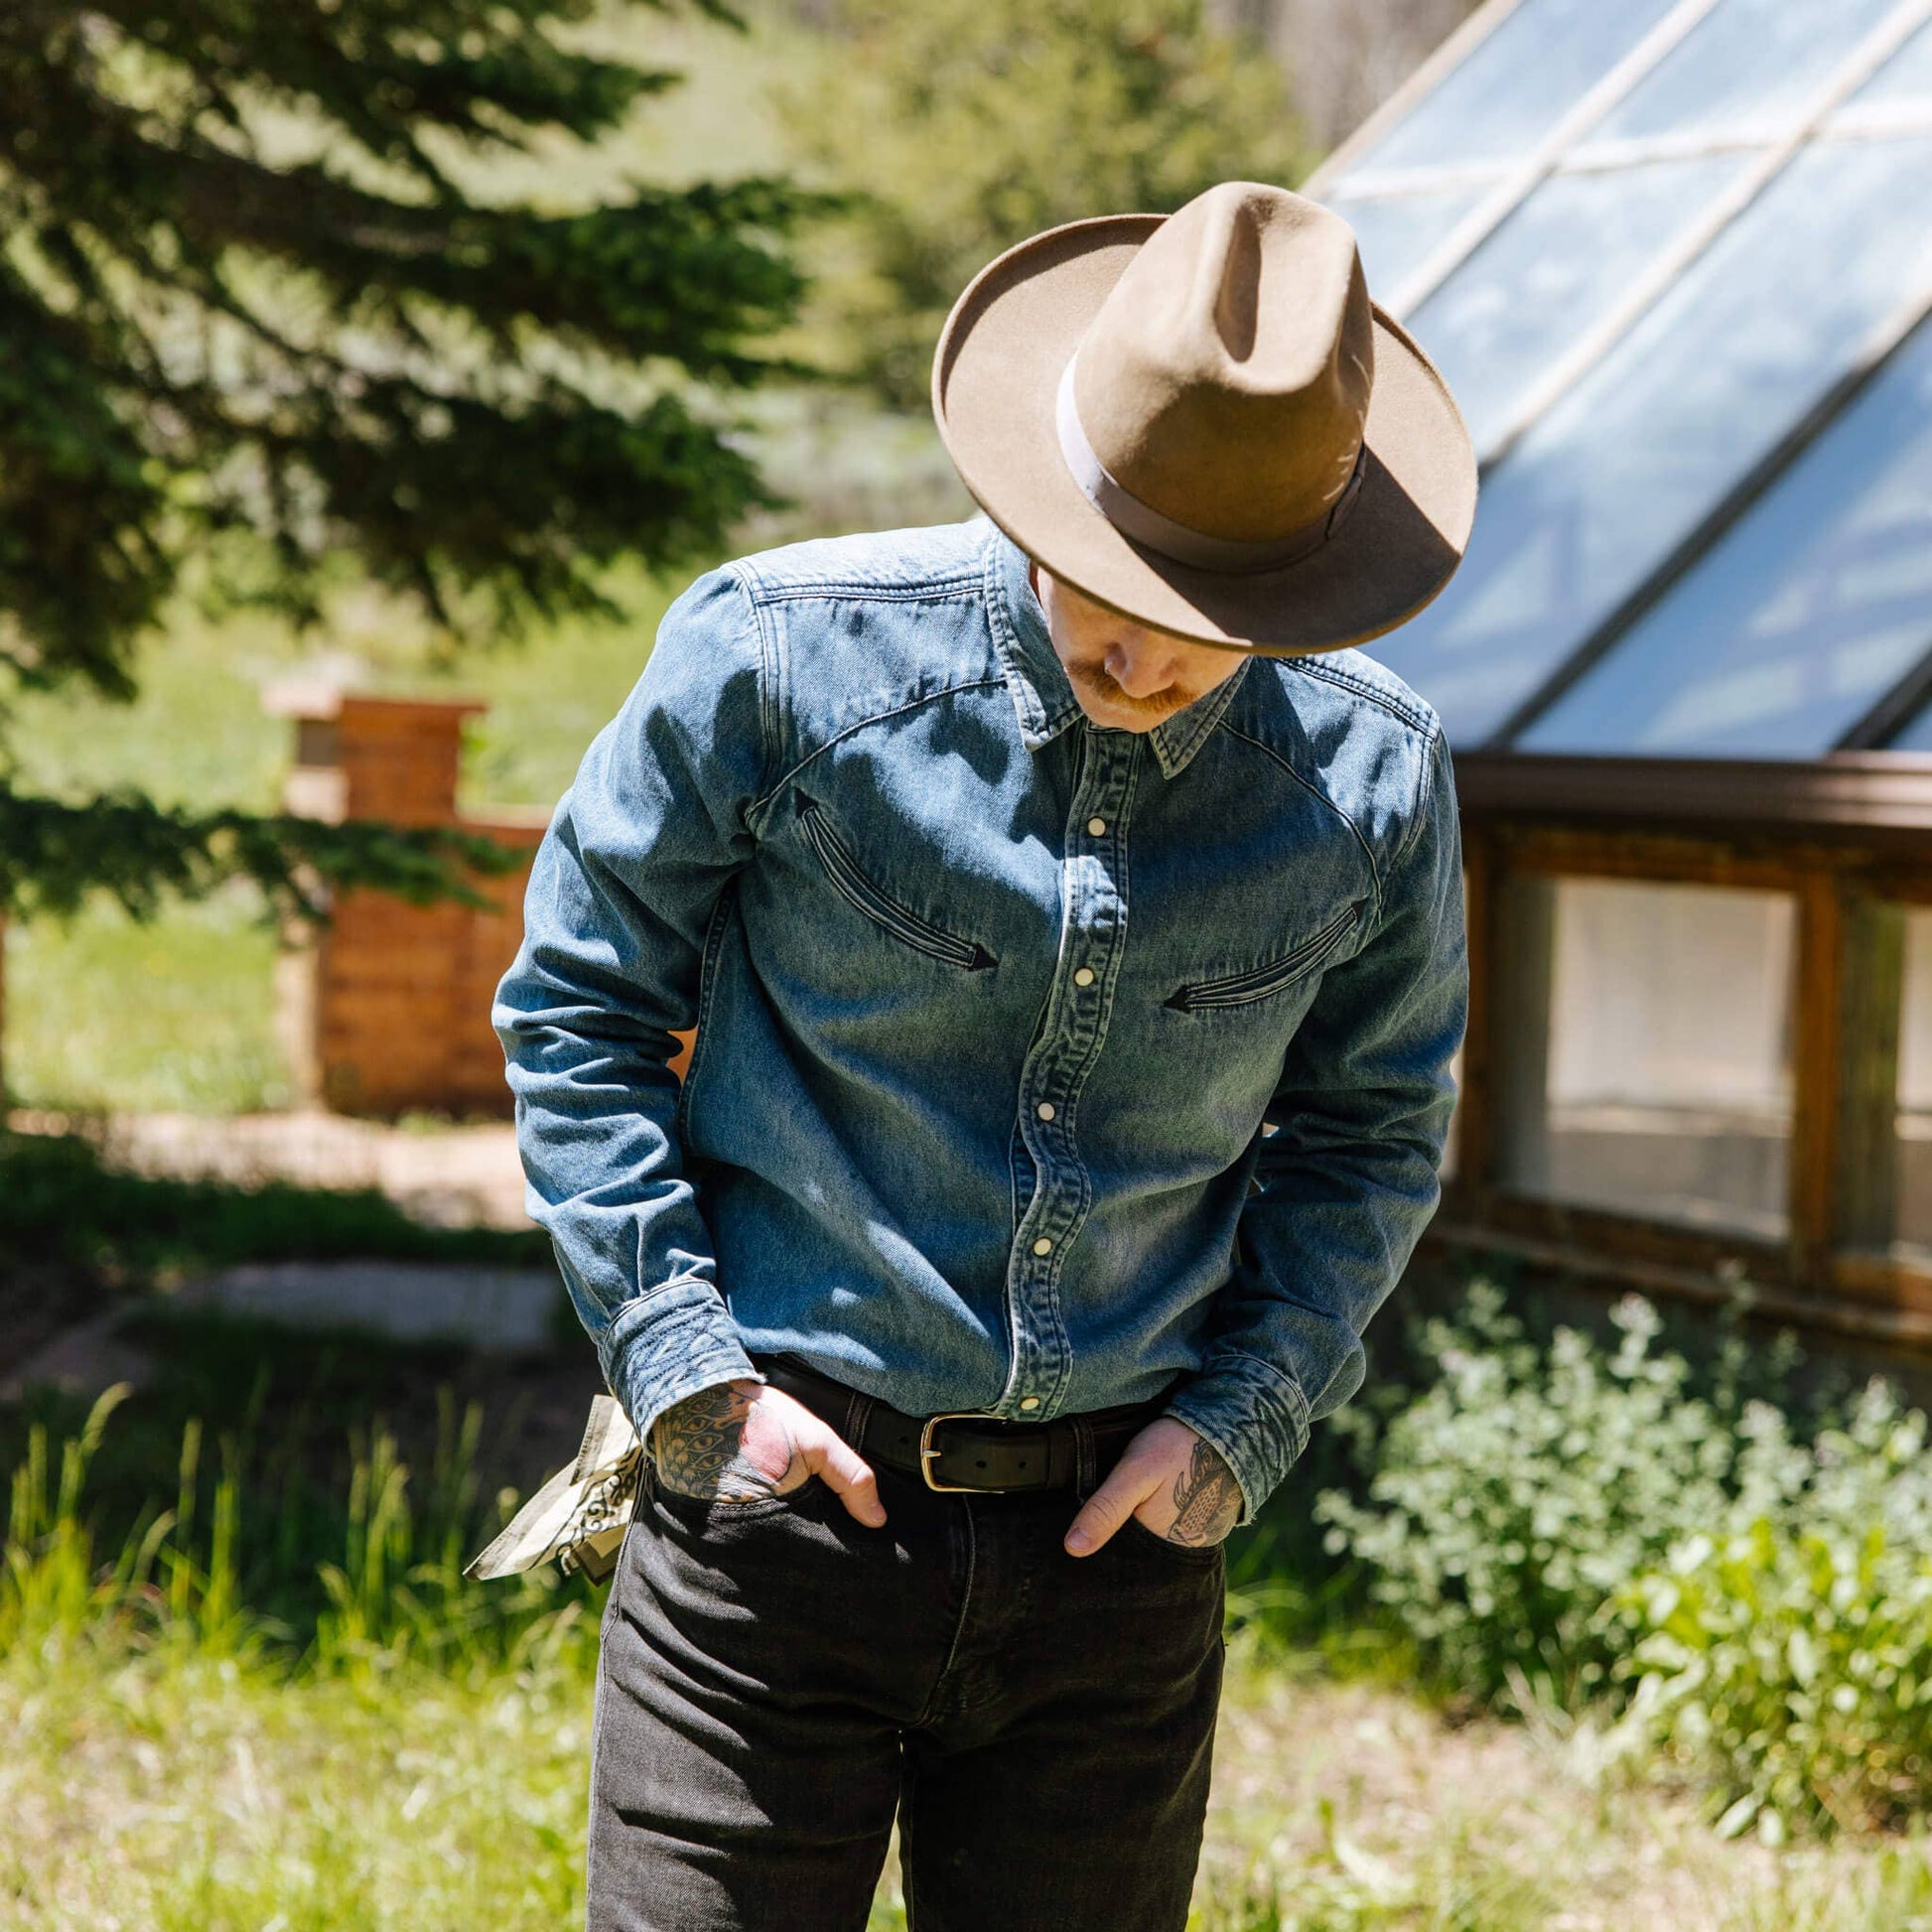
x=1516, y=85
x=1746, y=70
x=1550, y=270
x=1803, y=614
x=1648, y=1059
x=1598, y=494
x=1397, y=234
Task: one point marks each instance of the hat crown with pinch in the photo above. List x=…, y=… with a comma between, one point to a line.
x=1223, y=384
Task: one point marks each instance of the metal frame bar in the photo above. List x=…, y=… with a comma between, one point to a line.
x=1408, y=183
x=1892, y=712
x=1483, y=220
x=1438, y=67
x=1892, y=121
x=1873, y=353
x=1851, y=72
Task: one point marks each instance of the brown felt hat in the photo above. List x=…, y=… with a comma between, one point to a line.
x=1201, y=421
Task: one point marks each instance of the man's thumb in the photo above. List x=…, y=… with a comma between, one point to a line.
x=1107, y=1509
x=828, y=1455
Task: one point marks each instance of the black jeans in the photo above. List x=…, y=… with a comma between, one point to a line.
x=777, y=1682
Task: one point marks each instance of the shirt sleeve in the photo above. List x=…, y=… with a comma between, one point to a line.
x=1347, y=1181
x=636, y=866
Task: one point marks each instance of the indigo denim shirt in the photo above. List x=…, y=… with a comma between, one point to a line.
x=1038, y=1067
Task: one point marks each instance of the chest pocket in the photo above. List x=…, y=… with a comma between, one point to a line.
x=1262, y=982
x=850, y=880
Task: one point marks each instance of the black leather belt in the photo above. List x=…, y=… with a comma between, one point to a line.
x=967, y=1451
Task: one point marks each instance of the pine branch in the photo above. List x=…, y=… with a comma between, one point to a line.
x=54, y=855
x=486, y=404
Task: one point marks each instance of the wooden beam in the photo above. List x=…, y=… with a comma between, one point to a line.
x=1881, y=798
x=1524, y=976
x=1873, y=992
x=1818, y=1017
x=1566, y=852
x=1476, y=1106
x=1904, y=1322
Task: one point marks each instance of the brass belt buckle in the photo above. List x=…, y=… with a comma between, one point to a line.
x=930, y=1454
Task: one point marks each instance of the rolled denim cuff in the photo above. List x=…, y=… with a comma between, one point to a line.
x=669, y=1344
x=1255, y=1416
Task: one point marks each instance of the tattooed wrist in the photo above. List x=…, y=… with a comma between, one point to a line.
x=699, y=1448
x=1207, y=1498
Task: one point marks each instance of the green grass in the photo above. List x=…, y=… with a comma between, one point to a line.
x=173, y=1016
x=415, y=1756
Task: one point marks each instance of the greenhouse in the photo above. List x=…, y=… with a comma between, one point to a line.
x=1674, y=257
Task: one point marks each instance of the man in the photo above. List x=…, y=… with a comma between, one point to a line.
x=1072, y=928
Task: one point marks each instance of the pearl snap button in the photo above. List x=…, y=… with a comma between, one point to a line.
x=1045, y=1110
x=1042, y=1246
x=1029, y=1401
x=1084, y=977
x=1097, y=827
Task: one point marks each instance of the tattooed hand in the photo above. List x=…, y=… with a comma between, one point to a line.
x=1174, y=1481
x=741, y=1441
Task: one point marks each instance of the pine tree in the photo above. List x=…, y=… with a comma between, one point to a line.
x=259, y=312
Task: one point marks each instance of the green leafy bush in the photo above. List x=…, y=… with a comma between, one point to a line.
x=1524, y=1487
x=960, y=127
x=1791, y=1654
x=1573, y=1523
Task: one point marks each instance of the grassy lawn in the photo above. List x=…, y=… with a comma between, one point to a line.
x=262, y=1695
x=179, y=1789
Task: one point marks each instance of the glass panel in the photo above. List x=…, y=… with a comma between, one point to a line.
x=1914, y=1223
x=1597, y=492
x=1917, y=736
x=1661, y=1084
x=1746, y=69
x=1396, y=233
x=1801, y=617
x=1549, y=271
x=1518, y=83
x=1908, y=75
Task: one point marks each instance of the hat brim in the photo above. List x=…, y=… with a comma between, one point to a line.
x=995, y=378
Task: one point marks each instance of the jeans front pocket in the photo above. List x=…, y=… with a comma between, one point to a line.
x=1199, y=1554
x=699, y=1513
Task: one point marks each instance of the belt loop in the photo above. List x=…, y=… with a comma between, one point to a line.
x=1085, y=1480
x=858, y=1412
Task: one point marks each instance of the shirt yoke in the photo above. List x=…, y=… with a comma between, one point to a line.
x=859, y=627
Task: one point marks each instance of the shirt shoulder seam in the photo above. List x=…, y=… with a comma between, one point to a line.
x=763, y=591
x=1432, y=747
x=764, y=800
x=769, y=680
x=1423, y=722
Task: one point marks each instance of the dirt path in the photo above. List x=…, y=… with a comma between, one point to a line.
x=444, y=1174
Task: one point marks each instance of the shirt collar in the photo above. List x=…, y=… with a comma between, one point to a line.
x=1041, y=695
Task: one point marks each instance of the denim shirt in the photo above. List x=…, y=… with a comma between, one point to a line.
x=1038, y=1067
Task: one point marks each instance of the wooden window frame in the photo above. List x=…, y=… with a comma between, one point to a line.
x=1850, y=839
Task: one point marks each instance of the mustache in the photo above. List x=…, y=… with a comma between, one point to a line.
x=1103, y=684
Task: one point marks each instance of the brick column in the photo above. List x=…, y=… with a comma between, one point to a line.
x=386, y=1011
x=394, y=999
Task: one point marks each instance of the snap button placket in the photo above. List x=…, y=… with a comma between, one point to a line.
x=1072, y=1033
